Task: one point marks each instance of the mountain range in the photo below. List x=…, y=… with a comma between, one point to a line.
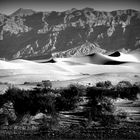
x=29, y=34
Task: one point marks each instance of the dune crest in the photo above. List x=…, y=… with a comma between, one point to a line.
x=97, y=58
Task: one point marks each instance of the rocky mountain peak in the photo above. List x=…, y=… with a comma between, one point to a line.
x=22, y=12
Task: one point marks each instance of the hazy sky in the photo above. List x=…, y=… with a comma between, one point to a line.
x=9, y=6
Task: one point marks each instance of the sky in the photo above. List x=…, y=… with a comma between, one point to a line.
x=10, y=6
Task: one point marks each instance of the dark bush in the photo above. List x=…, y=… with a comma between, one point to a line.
x=105, y=84
x=123, y=84
x=39, y=85
x=30, y=101
x=19, y=98
x=126, y=90
x=42, y=99
x=94, y=92
x=2, y=100
x=47, y=84
x=103, y=111
x=100, y=105
x=68, y=98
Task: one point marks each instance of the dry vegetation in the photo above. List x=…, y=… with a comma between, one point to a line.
x=98, y=111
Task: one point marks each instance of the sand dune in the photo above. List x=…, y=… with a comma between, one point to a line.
x=98, y=58
x=19, y=71
x=125, y=58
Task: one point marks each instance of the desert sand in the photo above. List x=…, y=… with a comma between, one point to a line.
x=91, y=68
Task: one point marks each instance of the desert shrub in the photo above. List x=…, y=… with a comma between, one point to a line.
x=39, y=85
x=105, y=84
x=47, y=84
x=68, y=98
x=42, y=99
x=100, y=105
x=126, y=90
x=103, y=111
x=19, y=98
x=123, y=84
x=30, y=101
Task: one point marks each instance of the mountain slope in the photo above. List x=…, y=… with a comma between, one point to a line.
x=30, y=35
